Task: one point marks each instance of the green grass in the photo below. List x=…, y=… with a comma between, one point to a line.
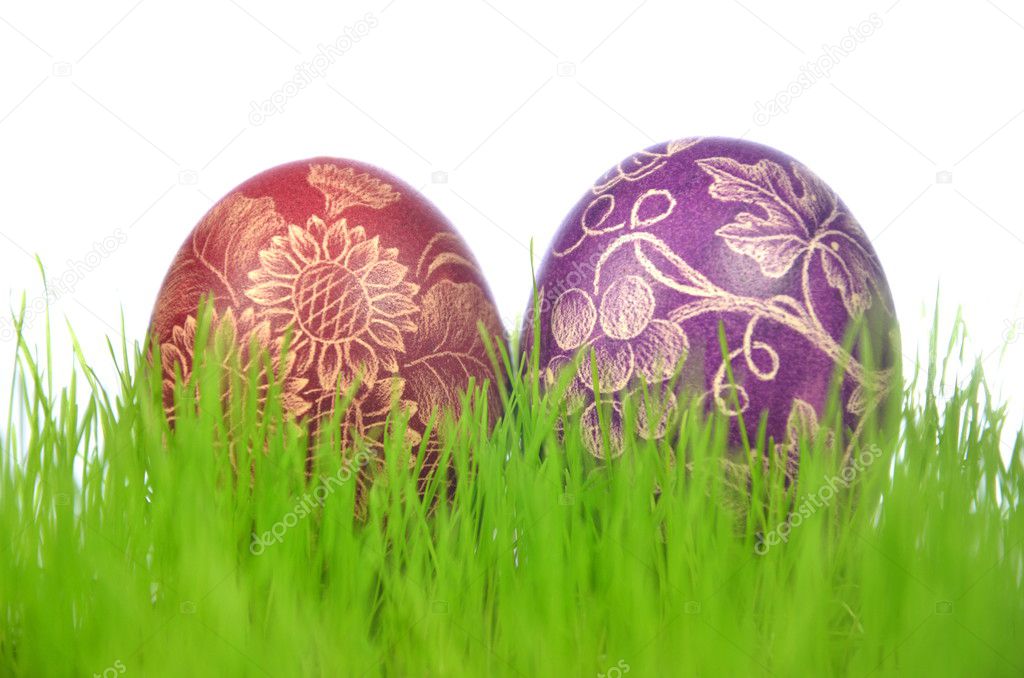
x=130, y=547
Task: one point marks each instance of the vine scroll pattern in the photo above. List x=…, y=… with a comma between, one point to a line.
x=788, y=220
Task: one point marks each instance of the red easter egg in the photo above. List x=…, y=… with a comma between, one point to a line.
x=378, y=291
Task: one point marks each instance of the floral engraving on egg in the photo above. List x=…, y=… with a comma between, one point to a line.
x=359, y=326
x=450, y=350
x=344, y=297
x=777, y=240
x=641, y=164
x=790, y=220
x=650, y=208
x=631, y=344
x=239, y=341
x=803, y=423
x=234, y=226
x=343, y=187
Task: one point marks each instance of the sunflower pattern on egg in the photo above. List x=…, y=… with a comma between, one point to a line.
x=379, y=295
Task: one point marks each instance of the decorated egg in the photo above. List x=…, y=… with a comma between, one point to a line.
x=378, y=294
x=686, y=237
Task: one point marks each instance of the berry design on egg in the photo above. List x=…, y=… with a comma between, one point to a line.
x=379, y=296
x=631, y=344
x=668, y=231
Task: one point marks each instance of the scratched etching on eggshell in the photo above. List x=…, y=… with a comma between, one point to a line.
x=789, y=220
x=361, y=323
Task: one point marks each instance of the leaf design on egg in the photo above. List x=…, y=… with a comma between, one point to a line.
x=849, y=269
x=448, y=346
x=680, y=145
x=231, y=234
x=792, y=219
x=868, y=394
x=803, y=425
x=444, y=249
x=777, y=236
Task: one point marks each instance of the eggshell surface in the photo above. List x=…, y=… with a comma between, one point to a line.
x=373, y=283
x=687, y=235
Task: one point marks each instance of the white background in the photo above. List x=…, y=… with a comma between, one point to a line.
x=122, y=122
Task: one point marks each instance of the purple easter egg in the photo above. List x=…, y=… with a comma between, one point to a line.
x=686, y=236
